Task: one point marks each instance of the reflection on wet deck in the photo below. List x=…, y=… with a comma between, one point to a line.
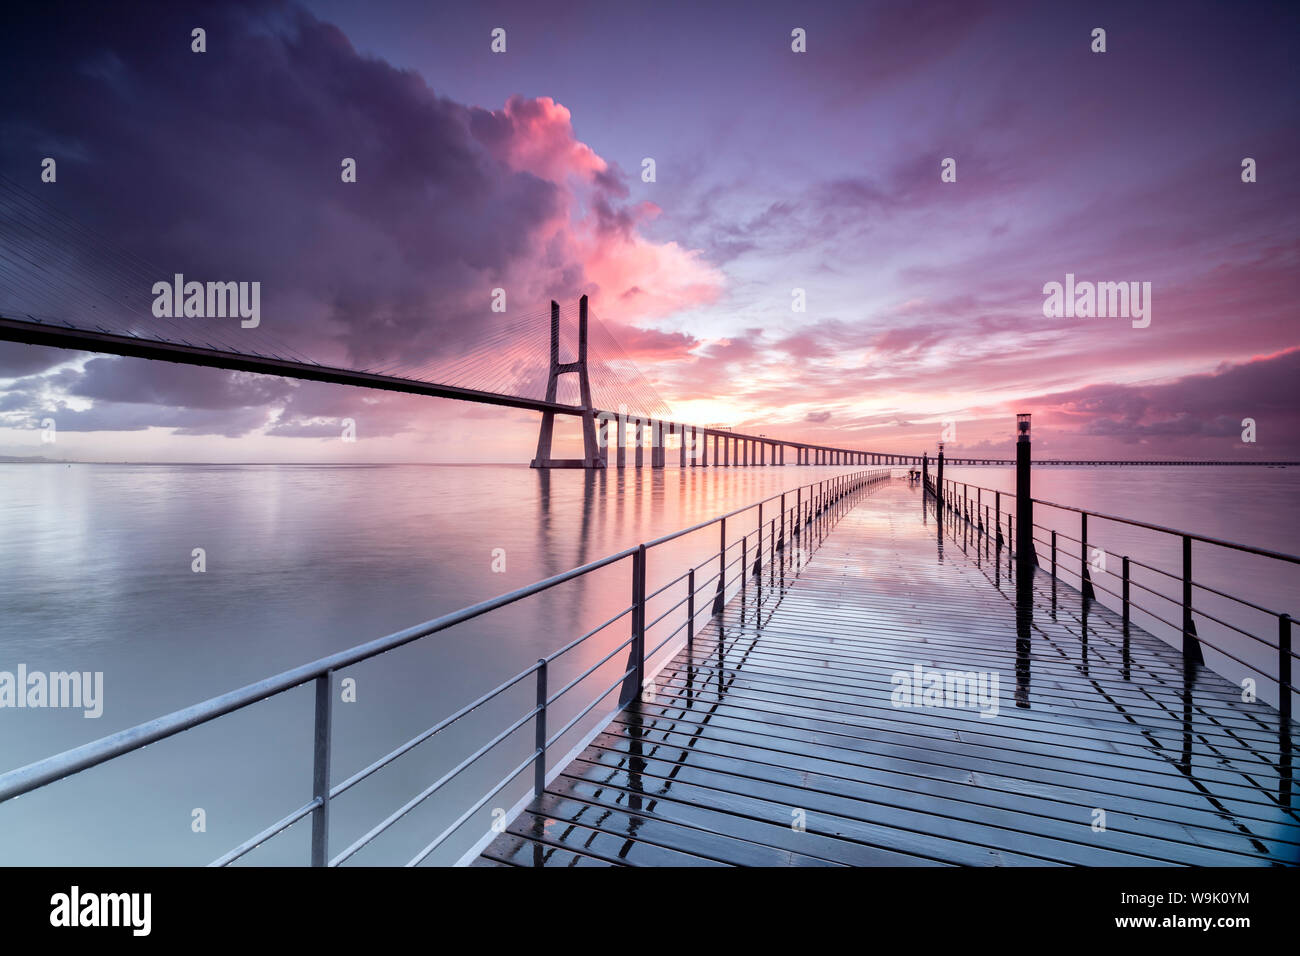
x=775, y=740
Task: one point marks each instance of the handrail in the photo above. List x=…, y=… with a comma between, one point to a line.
x=821, y=494
x=1206, y=539
x=1251, y=549
x=956, y=494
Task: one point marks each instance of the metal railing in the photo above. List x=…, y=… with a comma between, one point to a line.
x=798, y=509
x=987, y=519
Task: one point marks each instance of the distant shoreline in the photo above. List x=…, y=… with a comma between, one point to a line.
x=38, y=460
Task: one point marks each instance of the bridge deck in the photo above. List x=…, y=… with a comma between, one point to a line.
x=782, y=714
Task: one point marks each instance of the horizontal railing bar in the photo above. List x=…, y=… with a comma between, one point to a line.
x=1206, y=539
x=425, y=735
x=469, y=708
x=57, y=767
x=1208, y=615
x=554, y=655
x=1138, y=584
x=1249, y=604
x=660, y=646
x=431, y=789
x=1199, y=639
x=677, y=580
x=590, y=707
x=1169, y=574
x=1174, y=600
x=732, y=514
x=703, y=586
x=478, y=804
x=588, y=672
x=254, y=842
x=667, y=612
x=37, y=774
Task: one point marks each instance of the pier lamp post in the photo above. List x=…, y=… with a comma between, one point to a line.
x=938, y=483
x=1025, y=555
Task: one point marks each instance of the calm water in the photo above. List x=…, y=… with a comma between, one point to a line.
x=95, y=575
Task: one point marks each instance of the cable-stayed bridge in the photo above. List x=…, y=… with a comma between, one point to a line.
x=63, y=284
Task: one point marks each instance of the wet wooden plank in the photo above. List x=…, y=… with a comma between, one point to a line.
x=775, y=740
x=509, y=849
x=637, y=827
x=1069, y=804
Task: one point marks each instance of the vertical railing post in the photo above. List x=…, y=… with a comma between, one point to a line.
x=1053, y=554
x=1191, y=646
x=690, y=611
x=1125, y=592
x=744, y=560
x=539, y=722
x=758, y=551
x=781, y=546
x=771, y=548
x=639, y=566
x=636, y=656
x=1284, y=666
x=720, y=598
x=320, y=817
x=1088, y=593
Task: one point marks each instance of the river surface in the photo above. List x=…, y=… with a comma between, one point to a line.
x=97, y=574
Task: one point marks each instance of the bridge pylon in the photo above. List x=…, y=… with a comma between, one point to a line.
x=591, y=453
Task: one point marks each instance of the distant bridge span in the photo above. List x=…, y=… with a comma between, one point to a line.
x=65, y=285
x=697, y=445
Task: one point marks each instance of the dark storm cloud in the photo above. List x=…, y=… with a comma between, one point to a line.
x=17, y=359
x=166, y=383
x=227, y=164
x=1212, y=405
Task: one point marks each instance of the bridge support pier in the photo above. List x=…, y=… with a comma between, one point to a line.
x=622, y=438
x=591, y=453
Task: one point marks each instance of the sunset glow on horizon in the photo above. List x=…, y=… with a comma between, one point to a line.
x=779, y=180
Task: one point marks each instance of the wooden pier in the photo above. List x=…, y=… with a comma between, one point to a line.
x=775, y=739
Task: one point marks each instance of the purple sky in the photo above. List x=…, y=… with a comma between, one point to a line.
x=775, y=171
